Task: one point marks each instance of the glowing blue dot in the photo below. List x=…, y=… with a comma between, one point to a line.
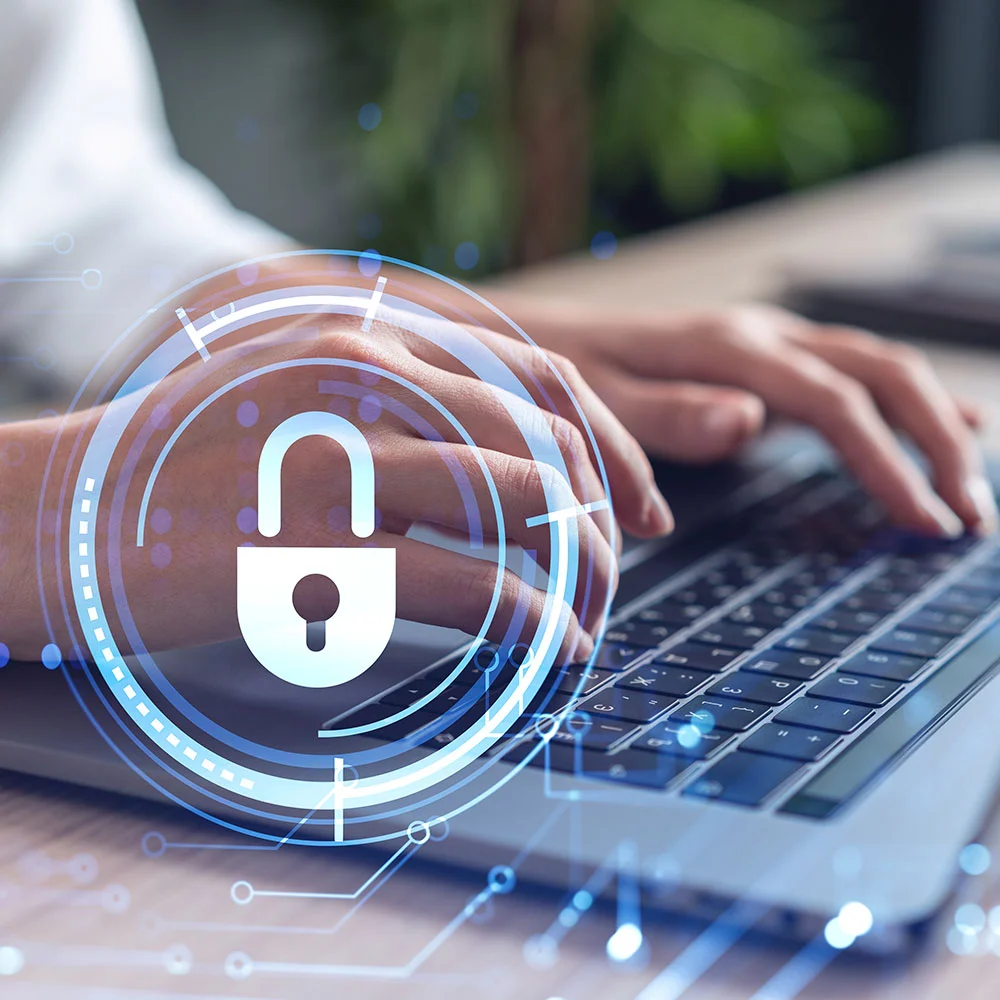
x=569, y=917
x=247, y=413
x=624, y=943
x=837, y=936
x=582, y=899
x=466, y=255
x=855, y=918
x=4, y=654
x=370, y=263
x=160, y=520
x=960, y=942
x=466, y=105
x=160, y=555
x=369, y=225
x=703, y=722
x=970, y=918
x=603, y=245
x=369, y=409
x=11, y=960
x=501, y=879
x=370, y=116
x=688, y=736
x=51, y=656
x=246, y=520
x=247, y=274
x=974, y=859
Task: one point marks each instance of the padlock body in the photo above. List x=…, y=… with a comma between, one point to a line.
x=356, y=635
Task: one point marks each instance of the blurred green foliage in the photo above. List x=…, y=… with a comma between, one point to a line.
x=677, y=94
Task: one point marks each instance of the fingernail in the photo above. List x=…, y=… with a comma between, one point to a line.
x=584, y=646
x=980, y=493
x=658, y=516
x=947, y=520
x=722, y=423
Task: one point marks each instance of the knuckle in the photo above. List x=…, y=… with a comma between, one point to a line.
x=845, y=397
x=568, y=437
x=906, y=360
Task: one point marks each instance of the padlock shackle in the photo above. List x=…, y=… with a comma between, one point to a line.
x=311, y=424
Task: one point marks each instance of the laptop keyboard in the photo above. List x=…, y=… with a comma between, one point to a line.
x=744, y=676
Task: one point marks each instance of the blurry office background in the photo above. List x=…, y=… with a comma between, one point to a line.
x=476, y=135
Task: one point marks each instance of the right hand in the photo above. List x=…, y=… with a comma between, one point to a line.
x=210, y=475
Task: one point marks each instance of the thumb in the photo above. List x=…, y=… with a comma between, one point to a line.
x=690, y=422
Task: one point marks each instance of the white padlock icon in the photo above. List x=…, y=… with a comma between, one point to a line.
x=365, y=577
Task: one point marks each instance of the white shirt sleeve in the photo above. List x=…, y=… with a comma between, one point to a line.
x=99, y=217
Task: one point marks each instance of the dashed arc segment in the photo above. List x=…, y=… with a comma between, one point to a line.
x=86, y=571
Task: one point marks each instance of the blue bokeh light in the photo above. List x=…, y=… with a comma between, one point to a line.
x=466, y=255
x=603, y=245
x=370, y=116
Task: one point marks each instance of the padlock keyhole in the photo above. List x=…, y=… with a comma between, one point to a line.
x=315, y=599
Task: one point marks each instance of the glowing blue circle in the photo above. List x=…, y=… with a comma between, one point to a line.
x=370, y=116
x=466, y=255
x=51, y=656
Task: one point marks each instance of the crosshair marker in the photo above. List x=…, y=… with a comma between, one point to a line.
x=566, y=513
x=193, y=334
x=373, y=304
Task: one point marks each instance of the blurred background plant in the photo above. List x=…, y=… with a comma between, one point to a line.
x=496, y=133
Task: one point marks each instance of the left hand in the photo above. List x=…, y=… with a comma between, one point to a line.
x=696, y=387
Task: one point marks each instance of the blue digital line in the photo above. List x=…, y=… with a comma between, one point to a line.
x=706, y=949
x=289, y=894
x=793, y=977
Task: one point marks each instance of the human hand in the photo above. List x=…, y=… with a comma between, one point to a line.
x=206, y=489
x=697, y=386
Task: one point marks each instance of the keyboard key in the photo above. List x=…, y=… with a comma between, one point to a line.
x=677, y=682
x=875, y=599
x=843, y=619
x=786, y=663
x=597, y=734
x=964, y=600
x=684, y=741
x=702, y=592
x=732, y=634
x=578, y=677
x=627, y=767
x=870, y=691
x=833, y=716
x=939, y=620
x=763, y=613
x=616, y=657
x=632, y=706
x=909, y=643
x=672, y=612
x=889, y=666
x=639, y=633
x=818, y=641
x=983, y=578
x=791, y=595
x=789, y=741
x=720, y=713
x=699, y=657
x=755, y=687
x=745, y=779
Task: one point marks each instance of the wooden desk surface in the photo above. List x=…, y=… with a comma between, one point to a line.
x=95, y=917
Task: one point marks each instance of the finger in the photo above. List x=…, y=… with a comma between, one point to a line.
x=445, y=484
x=556, y=387
x=687, y=421
x=446, y=588
x=801, y=385
x=972, y=413
x=913, y=399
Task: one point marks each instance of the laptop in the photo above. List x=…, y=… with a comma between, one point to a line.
x=794, y=705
